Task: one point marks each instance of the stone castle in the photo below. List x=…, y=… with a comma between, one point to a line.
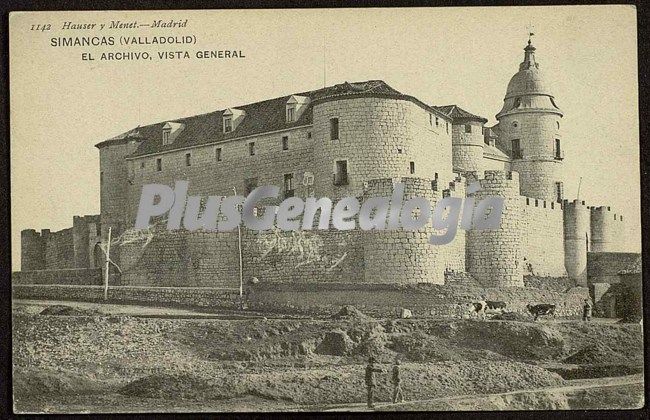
x=348, y=139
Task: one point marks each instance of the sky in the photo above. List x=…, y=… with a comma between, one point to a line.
x=62, y=106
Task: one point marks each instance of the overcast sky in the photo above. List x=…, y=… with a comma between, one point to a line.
x=62, y=106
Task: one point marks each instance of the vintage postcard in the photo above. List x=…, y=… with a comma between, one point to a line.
x=326, y=210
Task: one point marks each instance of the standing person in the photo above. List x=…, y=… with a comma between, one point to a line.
x=586, y=310
x=397, y=389
x=370, y=379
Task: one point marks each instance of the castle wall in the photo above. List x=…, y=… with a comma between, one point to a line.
x=542, y=237
x=378, y=137
x=32, y=255
x=494, y=256
x=207, y=176
x=467, y=148
x=59, y=249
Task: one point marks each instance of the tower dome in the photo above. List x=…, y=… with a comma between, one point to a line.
x=528, y=88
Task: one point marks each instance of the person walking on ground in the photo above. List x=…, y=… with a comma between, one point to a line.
x=370, y=379
x=397, y=389
x=586, y=310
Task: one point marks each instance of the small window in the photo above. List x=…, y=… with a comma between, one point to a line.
x=227, y=124
x=101, y=178
x=334, y=128
x=558, y=150
x=400, y=150
x=447, y=127
x=430, y=119
x=251, y=148
x=308, y=134
x=166, y=134
x=188, y=159
x=559, y=191
x=517, y=102
x=516, y=149
x=412, y=167
x=217, y=154
x=285, y=143
x=249, y=185
x=341, y=174
x=437, y=122
x=468, y=128
x=558, y=124
x=288, y=185
x=291, y=113
x=159, y=164
x=142, y=165
x=515, y=124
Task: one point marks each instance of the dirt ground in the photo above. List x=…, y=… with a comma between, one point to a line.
x=83, y=357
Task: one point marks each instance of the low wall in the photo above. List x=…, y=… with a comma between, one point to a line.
x=386, y=300
x=176, y=296
x=71, y=276
x=603, y=267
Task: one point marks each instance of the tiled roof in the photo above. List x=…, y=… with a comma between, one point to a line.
x=261, y=117
x=493, y=151
x=458, y=114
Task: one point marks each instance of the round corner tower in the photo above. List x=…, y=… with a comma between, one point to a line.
x=467, y=143
x=114, y=182
x=529, y=128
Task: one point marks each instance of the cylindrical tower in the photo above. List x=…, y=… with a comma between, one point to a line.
x=606, y=230
x=114, y=182
x=368, y=136
x=494, y=257
x=467, y=141
x=402, y=256
x=529, y=128
x=576, y=240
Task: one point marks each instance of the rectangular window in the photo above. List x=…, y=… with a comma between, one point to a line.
x=437, y=121
x=447, y=127
x=249, y=185
x=516, y=149
x=468, y=128
x=334, y=128
x=159, y=164
x=412, y=167
x=559, y=191
x=285, y=143
x=430, y=119
x=308, y=134
x=291, y=111
x=101, y=178
x=166, y=136
x=227, y=125
x=288, y=185
x=188, y=161
x=341, y=174
x=558, y=150
x=217, y=154
x=142, y=165
x=251, y=148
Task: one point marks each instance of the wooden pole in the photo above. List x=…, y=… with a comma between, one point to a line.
x=241, y=265
x=108, y=252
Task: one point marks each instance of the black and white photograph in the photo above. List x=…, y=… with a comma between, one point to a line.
x=325, y=210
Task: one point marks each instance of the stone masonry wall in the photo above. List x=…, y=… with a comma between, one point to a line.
x=72, y=276
x=542, y=237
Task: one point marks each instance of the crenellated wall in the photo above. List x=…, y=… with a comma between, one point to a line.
x=542, y=237
x=607, y=230
x=577, y=230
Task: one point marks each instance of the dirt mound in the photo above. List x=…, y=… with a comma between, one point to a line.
x=595, y=354
x=349, y=311
x=167, y=386
x=511, y=316
x=67, y=311
x=32, y=382
x=335, y=343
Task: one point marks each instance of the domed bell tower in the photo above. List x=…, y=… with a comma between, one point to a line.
x=529, y=129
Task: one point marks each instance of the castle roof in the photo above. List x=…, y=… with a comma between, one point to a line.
x=459, y=115
x=260, y=117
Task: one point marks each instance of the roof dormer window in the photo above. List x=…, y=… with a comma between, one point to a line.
x=170, y=131
x=232, y=117
x=291, y=113
x=295, y=106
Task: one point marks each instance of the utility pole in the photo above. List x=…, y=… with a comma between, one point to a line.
x=579, y=184
x=241, y=265
x=108, y=252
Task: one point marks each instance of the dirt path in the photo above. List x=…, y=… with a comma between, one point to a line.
x=577, y=385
